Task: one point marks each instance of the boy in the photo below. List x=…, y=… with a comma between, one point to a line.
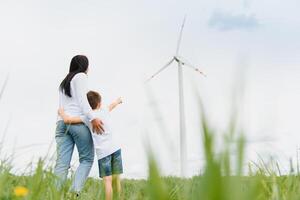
x=108, y=153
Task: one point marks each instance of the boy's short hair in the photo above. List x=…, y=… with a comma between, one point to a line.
x=94, y=99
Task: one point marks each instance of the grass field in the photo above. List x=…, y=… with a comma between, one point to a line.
x=210, y=186
x=213, y=184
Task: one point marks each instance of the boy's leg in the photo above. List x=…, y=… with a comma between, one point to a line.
x=108, y=187
x=117, y=169
x=117, y=184
x=64, y=149
x=105, y=172
x=84, y=143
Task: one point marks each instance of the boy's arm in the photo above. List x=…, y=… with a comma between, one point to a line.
x=67, y=119
x=114, y=104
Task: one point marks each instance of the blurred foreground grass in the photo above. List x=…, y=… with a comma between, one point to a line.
x=209, y=186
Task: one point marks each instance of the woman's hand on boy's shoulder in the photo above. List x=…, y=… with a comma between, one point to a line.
x=97, y=126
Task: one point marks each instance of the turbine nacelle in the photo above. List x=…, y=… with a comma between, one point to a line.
x=181, y=61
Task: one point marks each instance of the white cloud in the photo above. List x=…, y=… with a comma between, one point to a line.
x=227, y=21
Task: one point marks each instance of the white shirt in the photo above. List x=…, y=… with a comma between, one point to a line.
x=104, y=143
x=78, y=104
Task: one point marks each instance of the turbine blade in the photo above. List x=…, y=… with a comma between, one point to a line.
x=180, y=36
x=184, y=62
x=160, y=70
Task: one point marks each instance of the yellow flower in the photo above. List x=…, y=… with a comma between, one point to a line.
x=21, y=191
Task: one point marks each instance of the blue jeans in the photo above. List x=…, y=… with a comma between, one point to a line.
x=66, y=137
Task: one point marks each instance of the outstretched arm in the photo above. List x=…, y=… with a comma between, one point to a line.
x=114, y=104
x=67, y=119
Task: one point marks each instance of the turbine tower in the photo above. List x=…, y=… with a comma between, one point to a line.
x=182, y=127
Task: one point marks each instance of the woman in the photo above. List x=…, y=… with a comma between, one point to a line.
x=73, y=99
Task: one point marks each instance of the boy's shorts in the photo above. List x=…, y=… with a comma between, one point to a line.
x=111, y=164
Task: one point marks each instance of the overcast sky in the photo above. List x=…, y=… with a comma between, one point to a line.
x=249, y=47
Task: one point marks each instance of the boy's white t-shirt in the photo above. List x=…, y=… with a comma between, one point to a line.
x=104, y=143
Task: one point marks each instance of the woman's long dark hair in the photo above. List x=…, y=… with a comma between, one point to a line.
x=78, y=64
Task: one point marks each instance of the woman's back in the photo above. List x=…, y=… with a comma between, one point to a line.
x=75, y=105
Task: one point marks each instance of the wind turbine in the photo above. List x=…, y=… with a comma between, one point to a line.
x=181, y=62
